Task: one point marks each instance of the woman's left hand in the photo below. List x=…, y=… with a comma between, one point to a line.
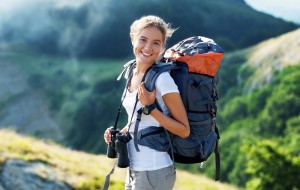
x=145, y=97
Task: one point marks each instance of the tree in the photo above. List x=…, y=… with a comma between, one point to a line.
x=270, y=166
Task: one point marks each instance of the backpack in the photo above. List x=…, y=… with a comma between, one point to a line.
x=193, y=64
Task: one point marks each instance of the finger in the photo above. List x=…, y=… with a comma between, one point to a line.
x=107, y=135
x=144, y=88
x=141, y=87
x=106, y=138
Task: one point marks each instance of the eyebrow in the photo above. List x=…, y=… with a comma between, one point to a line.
x=154, y=40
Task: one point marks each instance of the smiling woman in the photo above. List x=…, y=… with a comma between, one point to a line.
x=149, y=168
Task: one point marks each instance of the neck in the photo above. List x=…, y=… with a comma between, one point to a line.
x=141, y=68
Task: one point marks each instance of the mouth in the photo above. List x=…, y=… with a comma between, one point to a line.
x=146, y=54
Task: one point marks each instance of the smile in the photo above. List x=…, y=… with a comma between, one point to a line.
x=146, y=54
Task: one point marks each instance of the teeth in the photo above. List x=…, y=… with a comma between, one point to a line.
x=146, y=54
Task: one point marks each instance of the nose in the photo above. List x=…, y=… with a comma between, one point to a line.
x=148, y=46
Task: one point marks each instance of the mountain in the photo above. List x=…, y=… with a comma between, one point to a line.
x=24, y=108
x=272, y=56
x=30, y=164
x=101, y=29
x=258, y=114
x=256, y=66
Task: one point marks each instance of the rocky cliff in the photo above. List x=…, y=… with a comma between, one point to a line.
x=23, y=108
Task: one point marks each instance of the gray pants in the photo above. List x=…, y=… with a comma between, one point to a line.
x=161, y=179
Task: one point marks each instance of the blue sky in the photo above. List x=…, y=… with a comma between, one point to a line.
x=287, y=9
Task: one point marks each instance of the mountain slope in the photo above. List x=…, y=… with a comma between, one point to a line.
x=22, y=107
x=272, y=56
x=69, y=169
x=258, y=114
x=254, y=67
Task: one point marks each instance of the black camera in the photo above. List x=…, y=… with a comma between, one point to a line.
x=117, y=147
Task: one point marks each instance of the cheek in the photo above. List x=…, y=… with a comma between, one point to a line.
x=158, y=50
x=134, y=47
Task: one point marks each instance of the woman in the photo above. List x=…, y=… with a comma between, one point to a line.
x=149, y=168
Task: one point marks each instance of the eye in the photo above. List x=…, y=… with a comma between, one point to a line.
x=156, y=43
x=143, y=39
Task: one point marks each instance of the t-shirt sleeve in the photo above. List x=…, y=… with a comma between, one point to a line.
x=165, y=84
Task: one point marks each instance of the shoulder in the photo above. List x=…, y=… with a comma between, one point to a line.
x=164, y=76
x=165, y=83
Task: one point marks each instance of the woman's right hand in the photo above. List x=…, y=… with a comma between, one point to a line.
x=107, y=135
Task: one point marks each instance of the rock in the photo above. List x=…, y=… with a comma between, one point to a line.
x=21, y=175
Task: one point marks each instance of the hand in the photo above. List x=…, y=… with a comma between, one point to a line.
x=107, y=135
x=144, y=96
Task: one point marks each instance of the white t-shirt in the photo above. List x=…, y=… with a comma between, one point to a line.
x=148, y=159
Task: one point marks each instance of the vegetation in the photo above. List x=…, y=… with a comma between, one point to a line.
x=264, y=122
x=81, y=94
x=86, y=31
x=80, y=170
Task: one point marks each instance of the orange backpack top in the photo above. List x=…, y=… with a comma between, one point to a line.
x=201, y=54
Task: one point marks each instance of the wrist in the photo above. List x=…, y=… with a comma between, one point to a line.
x=148, y=108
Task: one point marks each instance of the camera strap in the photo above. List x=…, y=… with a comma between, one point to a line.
x=138, y=118
x=129, y=70
x=129, y=67
x=107, y=178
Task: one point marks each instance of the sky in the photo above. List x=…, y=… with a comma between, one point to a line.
x=286, y=9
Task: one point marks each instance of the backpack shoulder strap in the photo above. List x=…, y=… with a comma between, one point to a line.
x=128, y=68
x=154, y=72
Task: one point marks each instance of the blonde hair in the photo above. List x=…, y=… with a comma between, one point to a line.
x=147, y=21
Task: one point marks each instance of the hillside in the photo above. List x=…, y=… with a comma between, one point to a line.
x=32, y=164
x=259, y=114
x=24, y=108
x=93, y=28
x=256, y=66
x=271, y=57
x=48, y=96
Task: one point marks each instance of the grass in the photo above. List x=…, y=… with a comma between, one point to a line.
x=83, y=171
x=78, y=169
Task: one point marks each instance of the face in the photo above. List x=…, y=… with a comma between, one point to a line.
x=148, y=45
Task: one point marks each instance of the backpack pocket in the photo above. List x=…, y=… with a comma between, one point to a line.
x=155, y=138
x=202, y=140
x=200, y=92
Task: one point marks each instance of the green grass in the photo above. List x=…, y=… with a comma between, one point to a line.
x=80, y=170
